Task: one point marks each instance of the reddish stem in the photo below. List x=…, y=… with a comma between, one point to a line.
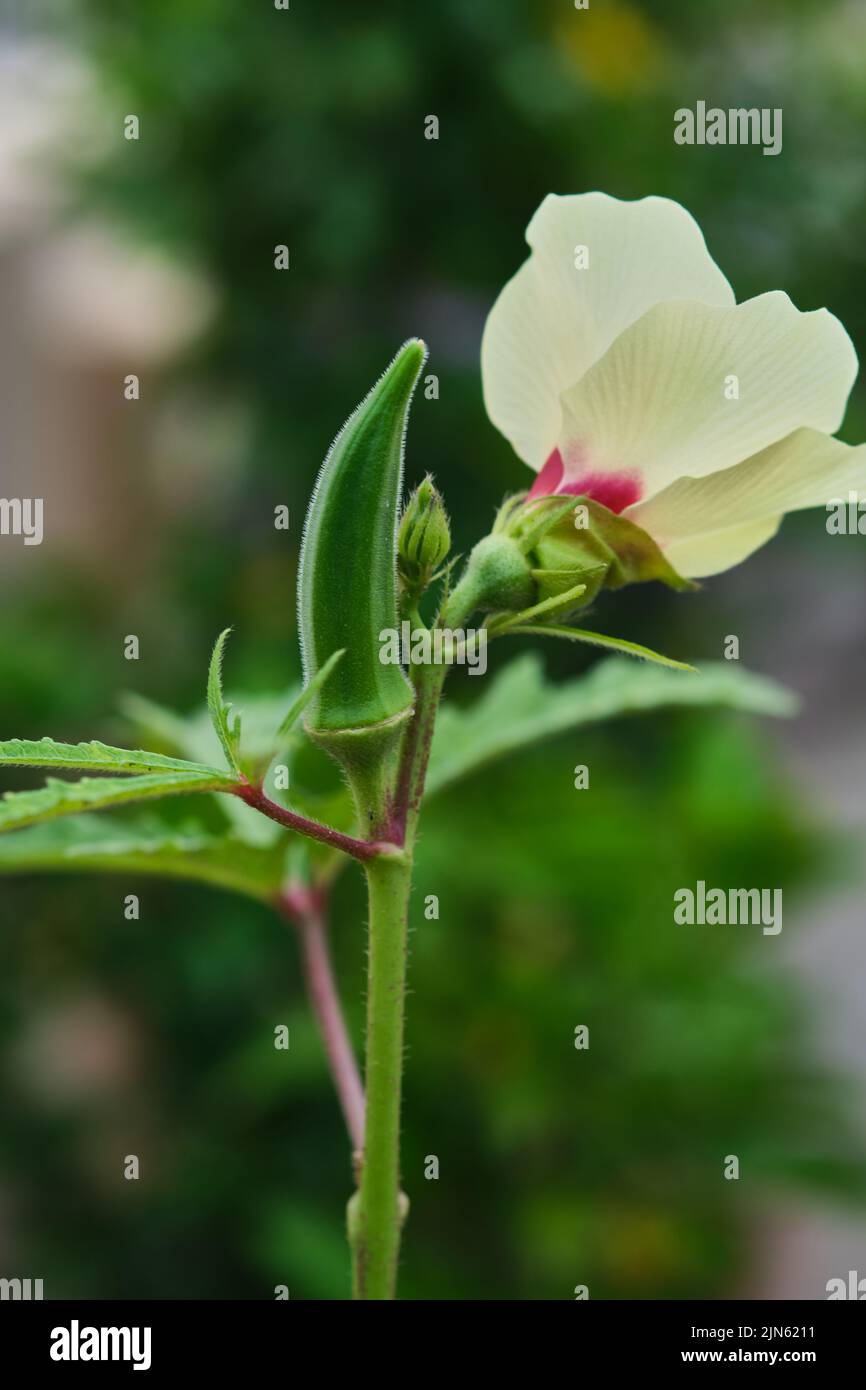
x=306, y=910
x=415, y=754
x=358, y=849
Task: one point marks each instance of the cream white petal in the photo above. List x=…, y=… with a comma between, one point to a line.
x=698, y=557
x=705, y=525
x=553, y=319
x=690, y=389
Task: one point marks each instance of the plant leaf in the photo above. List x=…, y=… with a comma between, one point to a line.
x=58, y=798
x=520, y=707
x=229, y=736
x=601, y=639
x=195, y=736
x=99, y=844
x=93, y=757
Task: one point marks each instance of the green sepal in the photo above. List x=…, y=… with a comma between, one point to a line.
x=532, y=523
x=555, y=584
x=628, y=554
x=566, y=556
x=555, y=606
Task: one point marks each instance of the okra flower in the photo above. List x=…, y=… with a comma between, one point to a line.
x=621, y=369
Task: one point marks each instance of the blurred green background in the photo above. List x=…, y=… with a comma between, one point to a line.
x=306, y=128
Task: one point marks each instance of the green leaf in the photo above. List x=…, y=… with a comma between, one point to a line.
x=601, y=639
x=93, y=757
x=195, y=736
x=59, y=798
x=99, y=844
x=228, y=735
x=520, y=707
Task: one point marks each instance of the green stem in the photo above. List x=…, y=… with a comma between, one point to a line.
x=375, y=1223
x=375, y=1215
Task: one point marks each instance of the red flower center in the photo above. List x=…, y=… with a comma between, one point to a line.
x=615, y=490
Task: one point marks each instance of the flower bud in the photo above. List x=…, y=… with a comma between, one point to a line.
x=424, y=538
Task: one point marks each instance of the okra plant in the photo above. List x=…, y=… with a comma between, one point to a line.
x=669, y=430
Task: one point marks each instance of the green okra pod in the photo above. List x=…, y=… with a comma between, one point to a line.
x=347, y=582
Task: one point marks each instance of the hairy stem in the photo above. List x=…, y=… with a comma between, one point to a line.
x=375, y=1215
x=358, y=849
x=306, y=910
x=428, y=682
x=375, y=1225
x=415, y=754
